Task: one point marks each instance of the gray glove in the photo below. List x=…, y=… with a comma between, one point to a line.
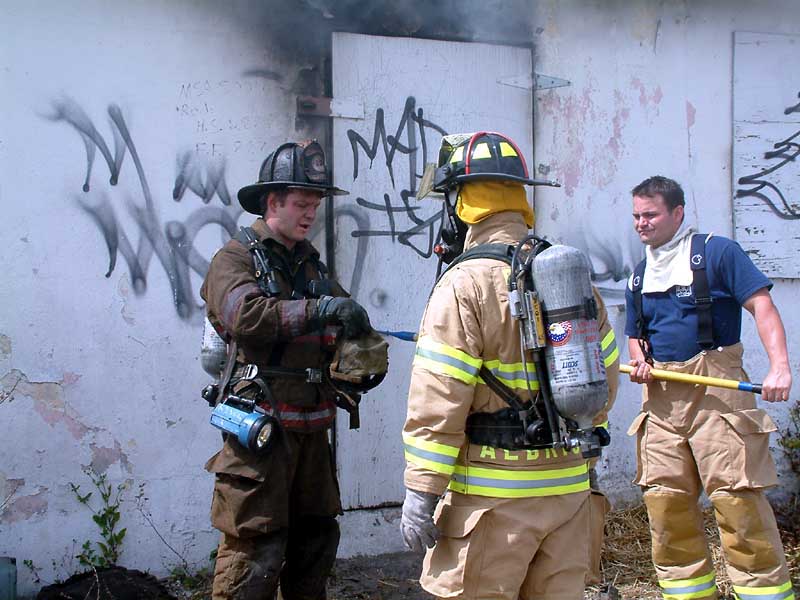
x=346, y=312
x=416, y=524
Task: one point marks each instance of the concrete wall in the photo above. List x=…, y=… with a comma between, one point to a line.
x=124, y=134
x=651, y=93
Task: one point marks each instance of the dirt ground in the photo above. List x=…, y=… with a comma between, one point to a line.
x=626, y=564
x=395, y=577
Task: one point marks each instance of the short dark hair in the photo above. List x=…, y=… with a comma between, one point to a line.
x=280, y=195
x=669, y=189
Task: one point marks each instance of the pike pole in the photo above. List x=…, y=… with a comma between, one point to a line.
x=731, y=384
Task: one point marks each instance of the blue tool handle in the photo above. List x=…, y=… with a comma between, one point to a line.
x=408, y=336
x=746, y=386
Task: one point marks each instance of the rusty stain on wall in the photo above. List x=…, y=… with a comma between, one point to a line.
x=574, y=115
x=124, y=289
x=691, y=112
x=645, y=99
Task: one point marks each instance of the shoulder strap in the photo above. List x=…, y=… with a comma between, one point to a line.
x=641, y=327
x=501, y=389
x=702, y=292
x=502, y=252
x=265, y=274
x=636, y=288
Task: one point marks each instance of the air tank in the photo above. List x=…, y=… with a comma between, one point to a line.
x=577, y=375
x=213, y=351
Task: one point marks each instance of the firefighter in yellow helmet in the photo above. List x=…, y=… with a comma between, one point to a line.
x=502, y=518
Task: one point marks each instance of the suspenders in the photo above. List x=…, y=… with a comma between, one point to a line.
x=700, y=290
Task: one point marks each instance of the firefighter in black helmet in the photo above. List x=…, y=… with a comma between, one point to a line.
x=277, y=510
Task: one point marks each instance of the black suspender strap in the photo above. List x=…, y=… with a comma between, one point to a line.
x=702, y=292
x=641, y=326
x=501, y=389
x=502, y=252
x=264, y=269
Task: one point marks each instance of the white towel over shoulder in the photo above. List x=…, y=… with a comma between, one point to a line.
x=668, y=265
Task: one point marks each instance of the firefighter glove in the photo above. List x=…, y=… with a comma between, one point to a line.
x=416, y=524
x=345, y=312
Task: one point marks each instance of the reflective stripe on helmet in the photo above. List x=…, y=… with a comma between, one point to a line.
x=507, y=149
x=688, y=589
x=458, y=155
x=506, y=483
x=481, y=151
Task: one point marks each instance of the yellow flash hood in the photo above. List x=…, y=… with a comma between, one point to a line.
x=479, y=199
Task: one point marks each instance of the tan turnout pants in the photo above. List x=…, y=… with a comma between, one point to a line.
x=693, y=439
x=522, y=548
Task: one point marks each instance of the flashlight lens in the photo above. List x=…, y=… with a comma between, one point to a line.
x=264, y=435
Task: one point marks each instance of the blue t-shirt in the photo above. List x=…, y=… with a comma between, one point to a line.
x=671, y=318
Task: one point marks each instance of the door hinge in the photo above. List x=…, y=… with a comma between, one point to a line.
x=541, y=82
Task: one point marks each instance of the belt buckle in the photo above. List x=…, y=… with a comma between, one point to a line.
x=250, y=372
x=314, y=375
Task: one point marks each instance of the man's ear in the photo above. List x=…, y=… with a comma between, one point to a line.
x=269, y=203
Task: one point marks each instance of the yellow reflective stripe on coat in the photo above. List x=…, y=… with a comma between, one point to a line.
x=687, y=589
x=446, y=360
x=513, y=374
x=608, y=349
x=439, y=458
x=507, y=483
x=775, y=592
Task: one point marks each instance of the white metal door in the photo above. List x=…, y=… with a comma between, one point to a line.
x=412, y=91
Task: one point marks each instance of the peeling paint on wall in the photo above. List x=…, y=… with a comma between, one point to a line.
x=8, y=487
x=22, y=508
x=48, y=401
x=104, y=457
x=5, y=346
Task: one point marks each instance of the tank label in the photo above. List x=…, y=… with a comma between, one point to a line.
x=559, y=334
x=573, y=356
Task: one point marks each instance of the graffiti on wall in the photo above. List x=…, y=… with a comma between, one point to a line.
x=761, y=185
x=766, y=144
x=171, y=243
x=408, y=145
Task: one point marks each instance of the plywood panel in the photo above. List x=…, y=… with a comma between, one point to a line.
x=412, y=91
x=766, y=133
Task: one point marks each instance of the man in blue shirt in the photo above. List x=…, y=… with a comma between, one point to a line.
x=693, y=438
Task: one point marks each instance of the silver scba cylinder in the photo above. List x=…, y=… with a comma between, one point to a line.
x=562, y=277
x=213, y=351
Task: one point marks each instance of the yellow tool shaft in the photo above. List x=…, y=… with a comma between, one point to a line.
x=688, y=378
